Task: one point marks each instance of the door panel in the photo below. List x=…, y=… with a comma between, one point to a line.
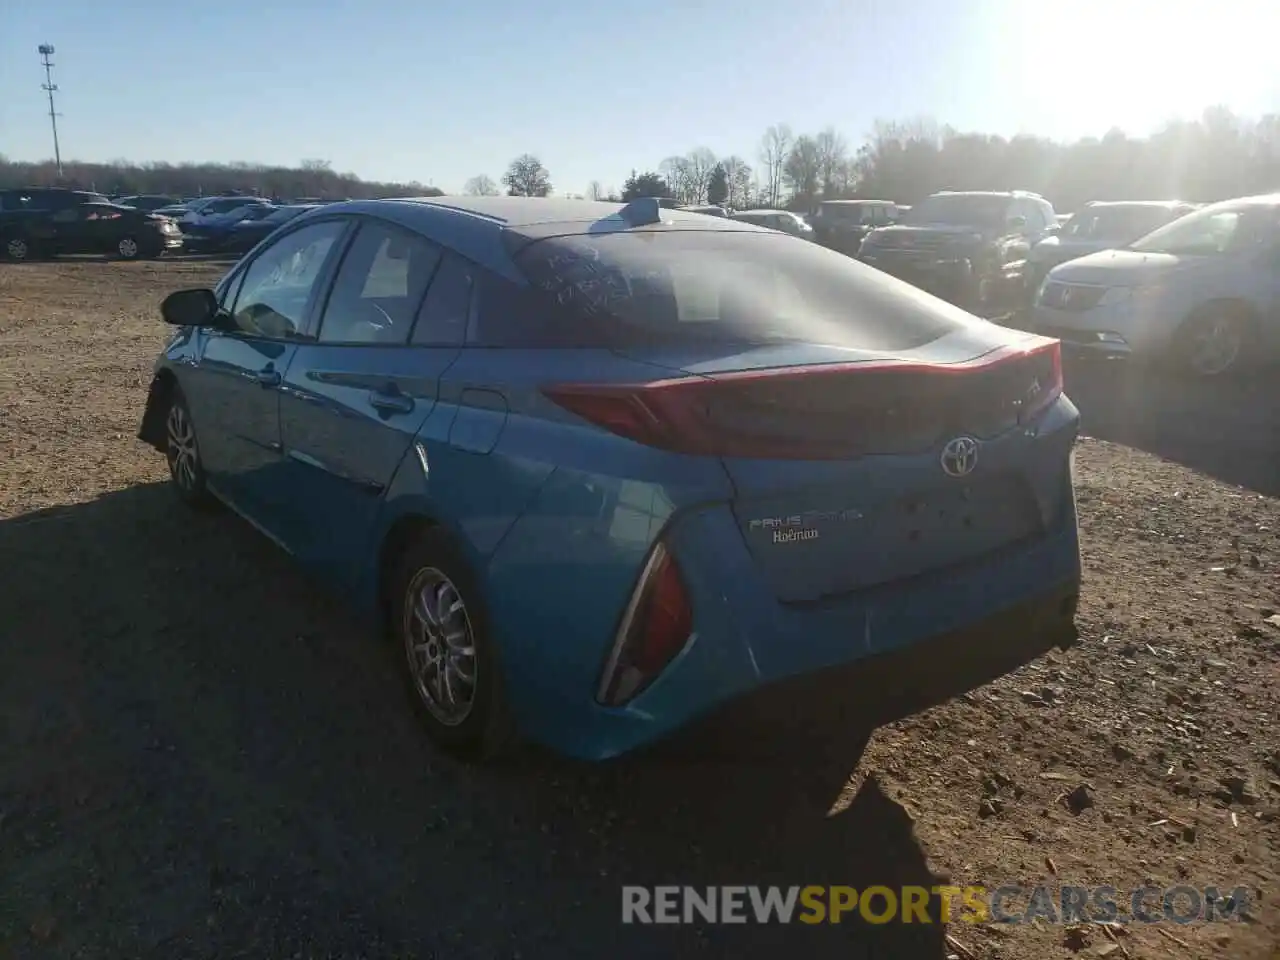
x=347, y=417
x=233, y=395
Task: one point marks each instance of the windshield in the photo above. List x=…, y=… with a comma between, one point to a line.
x=1210, y=231
x=841, y=211
x=658, y=288
x=960, y=209
x=1118, y=223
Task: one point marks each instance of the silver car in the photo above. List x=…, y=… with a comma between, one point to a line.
x=1203, y=291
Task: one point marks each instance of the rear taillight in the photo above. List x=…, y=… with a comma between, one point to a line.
x=1046, y=384
x=824, y=411
x=655, y=627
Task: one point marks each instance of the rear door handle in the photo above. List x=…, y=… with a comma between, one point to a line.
x=391, y=400
x=268, y=377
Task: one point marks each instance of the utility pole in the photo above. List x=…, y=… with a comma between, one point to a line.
x=49, y=87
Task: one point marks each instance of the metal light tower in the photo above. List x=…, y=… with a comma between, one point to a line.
x=49, y=87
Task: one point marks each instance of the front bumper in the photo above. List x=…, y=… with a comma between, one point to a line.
x=1106, y=331
x=926, y=272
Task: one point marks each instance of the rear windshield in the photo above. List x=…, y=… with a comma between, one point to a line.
x=655, y=287
x=960, y=209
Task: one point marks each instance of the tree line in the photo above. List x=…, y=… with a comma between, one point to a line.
x=1215, y=157
x=310, y=178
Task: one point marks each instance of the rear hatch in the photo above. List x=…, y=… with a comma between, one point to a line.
x=852, y=474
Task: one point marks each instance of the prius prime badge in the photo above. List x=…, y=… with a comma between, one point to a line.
x=959, y=457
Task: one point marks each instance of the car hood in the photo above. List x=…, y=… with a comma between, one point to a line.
x=1120, y=268
x=905, y=233
x=1057, y=249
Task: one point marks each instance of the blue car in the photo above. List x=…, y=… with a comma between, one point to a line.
x=602, y=470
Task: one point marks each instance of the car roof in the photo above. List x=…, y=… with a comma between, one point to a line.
x=1167, y=204
x=478, y=227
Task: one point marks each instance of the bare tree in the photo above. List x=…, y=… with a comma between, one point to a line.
x=803, y=168
x=675, y=171
x=527, y=177
x=595, y=191
x=481, y=186
x=832, y=154
x=775, y=146
x=738, y=174
x=701, y=163
x=315, y=165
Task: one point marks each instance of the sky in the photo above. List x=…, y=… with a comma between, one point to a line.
x=442, y=91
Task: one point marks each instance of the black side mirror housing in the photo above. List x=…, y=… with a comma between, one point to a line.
x=190, y=308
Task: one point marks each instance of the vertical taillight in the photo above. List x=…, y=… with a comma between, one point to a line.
x=1046, y=384
x=655, y=627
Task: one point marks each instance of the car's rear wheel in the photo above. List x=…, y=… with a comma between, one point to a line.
x=438, y=621
x=182, y=451
x=128, y=248
x=18, y=249
x=1213, y=342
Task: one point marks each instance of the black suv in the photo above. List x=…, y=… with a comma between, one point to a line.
x=45, y=222
x=841, y=225
x=967, y=247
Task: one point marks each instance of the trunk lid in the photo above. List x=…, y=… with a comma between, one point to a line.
x=934, y=467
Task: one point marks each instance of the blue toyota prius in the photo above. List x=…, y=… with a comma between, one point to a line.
x=600, y=470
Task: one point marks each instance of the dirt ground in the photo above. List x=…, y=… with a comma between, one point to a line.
x=203, y=755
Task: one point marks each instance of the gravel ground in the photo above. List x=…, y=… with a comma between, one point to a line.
x=203, y=755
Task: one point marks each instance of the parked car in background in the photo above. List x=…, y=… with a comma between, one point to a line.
x=148, y=202
x=708, y=210
x=600, y=470
x=842, y=224
x=211, y=232
x=783, y=220
x=1101, y=225
x=1202, y=291
x=96, y=227
x=243, y=235
x=1063, y=218
x=967, y=247
x=202, y=211
x=24, y=199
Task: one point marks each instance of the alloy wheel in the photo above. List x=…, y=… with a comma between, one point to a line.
x=127, y=248
x=17, y=249
x=181, y=449
x=1214, y=346
x=440, y=646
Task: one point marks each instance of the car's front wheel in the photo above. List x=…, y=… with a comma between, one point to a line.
x=18, y=249
x=438, y=621
x=128, y=248
x=182, y=451
x=1213, y=342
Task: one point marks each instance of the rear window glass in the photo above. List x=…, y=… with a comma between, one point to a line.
x=674, y=287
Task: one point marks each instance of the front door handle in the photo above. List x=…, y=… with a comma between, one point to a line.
x=268, y=377
x=391, y=400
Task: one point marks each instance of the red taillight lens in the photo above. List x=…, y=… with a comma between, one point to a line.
x=1047, y=362
x=825, y=411
x=656, y=626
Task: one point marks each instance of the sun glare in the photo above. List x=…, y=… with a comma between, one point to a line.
x=1137, y=64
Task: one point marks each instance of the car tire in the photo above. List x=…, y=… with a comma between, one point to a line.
x=19, y=249
x=1213, y=342
x=128, y=248
x=441, y=638
x=182, y=453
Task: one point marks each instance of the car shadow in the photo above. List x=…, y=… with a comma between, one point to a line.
x=1228, y=429
x=204, y=754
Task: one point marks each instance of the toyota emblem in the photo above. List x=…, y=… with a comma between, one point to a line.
x=959, y=457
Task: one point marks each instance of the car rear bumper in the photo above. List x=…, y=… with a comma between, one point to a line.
x=967, y=624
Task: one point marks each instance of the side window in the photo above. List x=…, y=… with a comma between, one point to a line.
x=279, y=284
x=443, y=318
x=227, y=296
x=379, y=287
